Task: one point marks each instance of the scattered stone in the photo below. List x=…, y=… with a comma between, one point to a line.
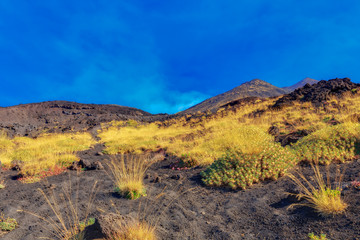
x=177, y=177
x=291, y=137
x=84, y=164
x=75, y=166
x=99, y=154
x=274, y=130
x=97, y=166
x=157, y=179
x=17, y=165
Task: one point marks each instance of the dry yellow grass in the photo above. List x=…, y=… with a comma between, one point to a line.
x=128, y=173
x=321, y=196
x=197, y=142
x=66, y=222
x=202, y=139
x=135, y=231
x=44, y=153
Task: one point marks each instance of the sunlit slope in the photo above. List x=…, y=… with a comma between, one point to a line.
x=202, y=138
x=44, y=153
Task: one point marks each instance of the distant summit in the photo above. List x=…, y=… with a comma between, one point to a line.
x=253, y=88
x=301, y=84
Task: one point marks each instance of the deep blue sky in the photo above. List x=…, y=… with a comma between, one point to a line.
x=165, y=56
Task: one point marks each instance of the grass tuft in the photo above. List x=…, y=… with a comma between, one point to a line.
x=127, y=173
x=321, y=196
x=135, y=231
x=66, y=222
x=7, y=224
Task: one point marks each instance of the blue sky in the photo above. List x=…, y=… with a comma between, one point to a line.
x=165, y=56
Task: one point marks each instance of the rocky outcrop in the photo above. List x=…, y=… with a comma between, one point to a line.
x=318, y=93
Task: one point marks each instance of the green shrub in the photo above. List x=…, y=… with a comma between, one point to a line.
x=333, y=143
x=7, y=224
x=312, y=236
x=239, y=170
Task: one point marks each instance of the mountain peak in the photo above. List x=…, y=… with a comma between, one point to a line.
x=253, y=88
x=256, y=81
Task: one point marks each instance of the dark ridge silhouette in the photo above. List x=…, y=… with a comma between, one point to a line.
x=301, y=84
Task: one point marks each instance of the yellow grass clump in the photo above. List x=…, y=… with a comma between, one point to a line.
x=135, y=231
x=44, y=154
x=321, y=196
x=128, y=175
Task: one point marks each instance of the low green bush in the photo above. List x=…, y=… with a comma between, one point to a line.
x=312, y=236
x=7, y=224
x=337, y=143
x=239, y=170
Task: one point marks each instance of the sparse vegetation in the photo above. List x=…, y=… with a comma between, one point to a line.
x=68, y=222
x=128, y=175
x=235, y=145
x=321, y=196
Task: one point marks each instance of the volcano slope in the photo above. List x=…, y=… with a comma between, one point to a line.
x=63, y=116
x=189, y=209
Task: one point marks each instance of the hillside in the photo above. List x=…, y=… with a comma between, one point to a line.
x=253, y=88
x=62, y=116
x=224, y=175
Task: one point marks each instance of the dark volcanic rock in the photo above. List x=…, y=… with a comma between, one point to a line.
x=291, y=137
x=317, y=93
x=62, y=116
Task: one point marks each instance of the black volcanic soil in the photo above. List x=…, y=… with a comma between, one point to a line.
x=62, y=116
x=203, y=213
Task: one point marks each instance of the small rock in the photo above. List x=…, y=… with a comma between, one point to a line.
x=202, y=212
x=177, y=177
x=274, y=130
x=17, y=164
x=75, y=166
x=97, y=166
x=84, y=164
x=157, y=179
x=99, y=154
